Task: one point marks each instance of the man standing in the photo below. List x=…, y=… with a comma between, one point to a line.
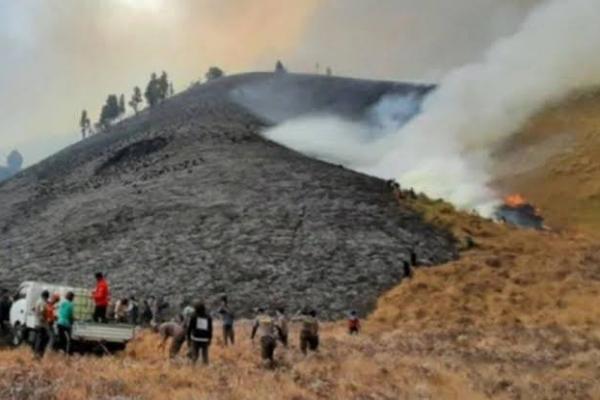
x=282, y=325
x=174, y=331
x=309, y=334
x=5, y=305
x=199, y=333
x=101, y=296
x=65, y=323
x=228, y=319
x=268, y=335
x=42, y=328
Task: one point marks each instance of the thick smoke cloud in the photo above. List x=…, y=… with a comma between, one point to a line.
x=446, y=151
x=59, y=56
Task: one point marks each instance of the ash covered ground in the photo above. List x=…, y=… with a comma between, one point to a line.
x=189, y=200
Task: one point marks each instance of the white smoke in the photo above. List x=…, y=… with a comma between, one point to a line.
x=446, y=151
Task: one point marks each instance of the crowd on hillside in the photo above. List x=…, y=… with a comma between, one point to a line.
x=193, y=324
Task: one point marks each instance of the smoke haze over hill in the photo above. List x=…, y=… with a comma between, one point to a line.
x=62, y=56
x=446, y=150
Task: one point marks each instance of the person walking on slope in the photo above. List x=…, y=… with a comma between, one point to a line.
x=268, y=335
x=282, y=322
x=174, y=331
x=353, y=323
x=199, y=333
x=309, y=333
x=228, y=319
x=42, y=328
x=101, y=297
x=65, y=323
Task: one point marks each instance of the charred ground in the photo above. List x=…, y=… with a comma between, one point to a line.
x=189, y=200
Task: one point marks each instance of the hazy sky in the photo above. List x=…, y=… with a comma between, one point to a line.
x=60, y=56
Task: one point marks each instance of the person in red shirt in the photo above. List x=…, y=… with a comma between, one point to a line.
x=101, y=297
x=353, y=323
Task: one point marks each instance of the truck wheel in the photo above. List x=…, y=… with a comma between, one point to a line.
x=19, y=333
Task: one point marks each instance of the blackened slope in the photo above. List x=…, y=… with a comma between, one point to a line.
x=209, y=208
x=279, y=97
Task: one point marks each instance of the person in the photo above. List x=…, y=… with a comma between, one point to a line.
x=50, y=315
x=353, y=323
x=268, y=335
x=41, y=325
x=199, y=333
x=5, y=305
x=174, y=331
x=121, y=310
x=147, y=313
x=282, y=326
x=133, y=311
x=407, y=271
x=228, y=319
x=101, y=297
x=65, y=323
x=309, y=334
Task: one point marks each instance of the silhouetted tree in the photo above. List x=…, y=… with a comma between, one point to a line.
x=214, y=73
x=122, y=104
x=14, y=161
x=152, y=93
x=136, y=99
x=163, y=86
x=84, y=124
x=279, y=68
x=110, y=111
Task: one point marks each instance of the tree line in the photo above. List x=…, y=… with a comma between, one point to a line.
x=157, y=90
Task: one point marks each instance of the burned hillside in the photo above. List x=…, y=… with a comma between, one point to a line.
x=190, y=201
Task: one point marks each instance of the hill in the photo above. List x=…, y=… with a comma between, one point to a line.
x=189, y=200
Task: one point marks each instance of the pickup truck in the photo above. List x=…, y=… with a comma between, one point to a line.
x=86, y=334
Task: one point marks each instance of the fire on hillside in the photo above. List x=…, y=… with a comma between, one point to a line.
x=518, y=211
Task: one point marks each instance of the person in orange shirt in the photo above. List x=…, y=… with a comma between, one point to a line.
x=101, y=297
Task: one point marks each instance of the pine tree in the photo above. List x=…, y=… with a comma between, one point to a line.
x=152, y=93
x=163, y=86
x=214, y=73
x=84, y=124
x=122, y=108
x=110, y=111
x=136, y=99
x=279, y=68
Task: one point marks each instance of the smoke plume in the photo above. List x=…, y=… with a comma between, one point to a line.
x=446, y=150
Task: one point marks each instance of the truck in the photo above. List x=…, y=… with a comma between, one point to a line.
x=86, y=334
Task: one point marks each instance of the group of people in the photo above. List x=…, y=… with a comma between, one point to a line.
x=193, y=325
x=54, y=323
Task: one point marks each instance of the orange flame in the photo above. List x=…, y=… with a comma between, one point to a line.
x=515, y=200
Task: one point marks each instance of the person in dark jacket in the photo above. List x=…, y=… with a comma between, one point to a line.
x=5, y=305
x=199, y=333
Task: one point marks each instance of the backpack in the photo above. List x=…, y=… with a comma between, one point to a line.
x=201, y=329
